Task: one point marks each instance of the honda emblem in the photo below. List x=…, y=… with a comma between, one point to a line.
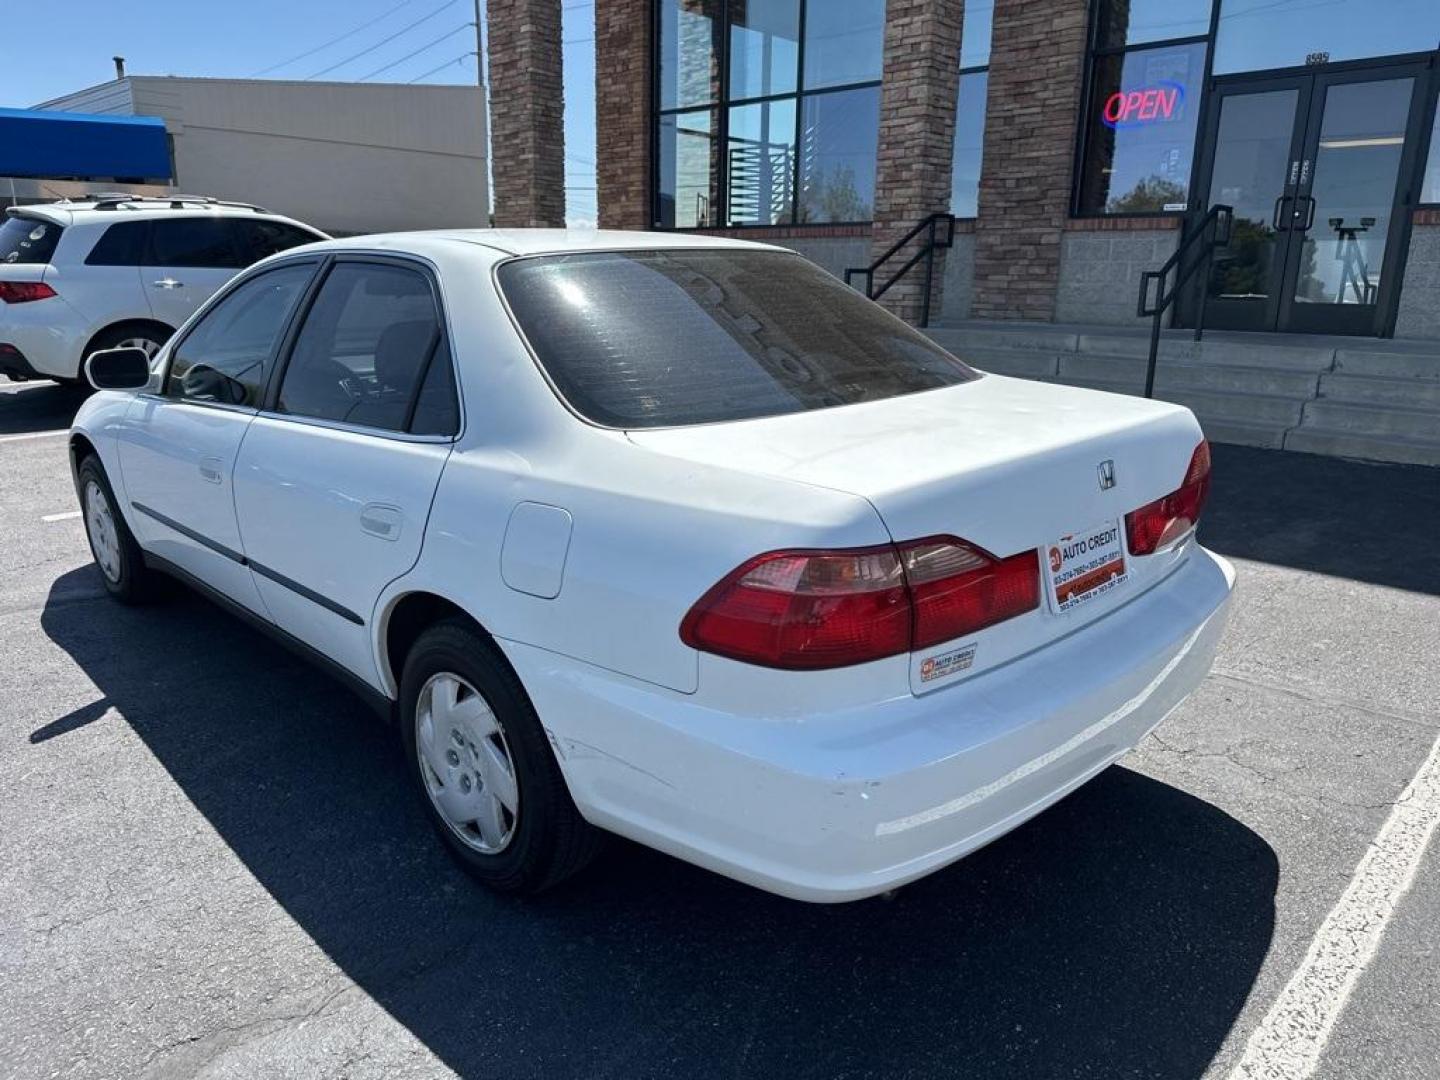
x=1107, y=475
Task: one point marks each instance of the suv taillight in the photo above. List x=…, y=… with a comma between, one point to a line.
x=807, y=610
x=22, y=292
x=1166, y=520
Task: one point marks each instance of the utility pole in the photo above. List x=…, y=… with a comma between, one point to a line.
x=485, y=108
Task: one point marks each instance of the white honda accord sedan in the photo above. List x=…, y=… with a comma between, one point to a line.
x=667, y=536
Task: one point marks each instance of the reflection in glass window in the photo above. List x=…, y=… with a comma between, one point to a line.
x=689, y=52
x=975, y=27
x=1135, y=22
x=839, y=133
x=969, y=141
x=687, y=170
x=1430, y=190
x=764, y=48
x=1257, y=34
x=844, y=40
x=760, y=163
x=1140, y=134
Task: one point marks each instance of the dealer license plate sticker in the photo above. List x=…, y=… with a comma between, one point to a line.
x=1081, y=566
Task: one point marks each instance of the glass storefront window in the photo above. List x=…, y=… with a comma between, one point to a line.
x=1140, y=134
x=689, y=52
x=760, y=163
x=1255, y=35
x=1430, y=189
x=764, y=48
x=969, y=141
x=976, y=22
x=844, y=40
x=1136, y=22
x=687, y=170
x=840, y=132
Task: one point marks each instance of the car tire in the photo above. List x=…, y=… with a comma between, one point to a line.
x=464, y=717
x=117, y=556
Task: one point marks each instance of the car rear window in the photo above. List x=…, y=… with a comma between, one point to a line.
x=640, y=339
x=28, y=240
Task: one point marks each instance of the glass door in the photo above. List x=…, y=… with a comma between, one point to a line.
x=1313, y=165
x=1348, y=203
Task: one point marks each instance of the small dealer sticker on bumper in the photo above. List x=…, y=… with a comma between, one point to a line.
x=1084, y=565
x=947, y=663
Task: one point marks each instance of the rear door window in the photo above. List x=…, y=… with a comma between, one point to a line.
x=259, y=238
x=194, y=242
x=639, y=339
x=368, y=343
x=28, y=240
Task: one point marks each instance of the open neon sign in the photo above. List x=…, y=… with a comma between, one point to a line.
x=1160, y=103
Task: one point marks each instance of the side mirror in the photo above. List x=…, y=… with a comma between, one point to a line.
x=118, y=369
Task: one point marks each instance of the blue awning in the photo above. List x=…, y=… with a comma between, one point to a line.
x=62, y=145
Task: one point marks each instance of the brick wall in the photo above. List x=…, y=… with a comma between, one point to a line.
x=622, y=113
x=917, y=134
x=527, y=109
x=1036, y=65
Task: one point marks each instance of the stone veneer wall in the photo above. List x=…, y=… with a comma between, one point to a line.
x=1419, y=314
x=1036, y=65
x=622, y=113
x=1100, y=268
x=527, y=109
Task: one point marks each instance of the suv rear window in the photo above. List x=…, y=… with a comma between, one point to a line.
x=28, y=240
x=639, y=339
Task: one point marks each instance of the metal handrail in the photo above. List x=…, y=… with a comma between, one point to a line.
x=932, y=244
x=1216, y=224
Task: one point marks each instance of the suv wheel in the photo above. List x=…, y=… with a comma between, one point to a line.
x=484, y=768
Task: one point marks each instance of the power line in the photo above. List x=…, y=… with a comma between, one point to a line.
x=385, y=41
x=411, y=55
x=335, y=40
x=448, y=63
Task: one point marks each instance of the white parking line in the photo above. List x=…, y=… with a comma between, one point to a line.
x=1290, y=1040
x=66, y=516
x=35, y=435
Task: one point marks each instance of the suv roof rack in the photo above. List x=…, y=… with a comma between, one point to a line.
x=117, y=201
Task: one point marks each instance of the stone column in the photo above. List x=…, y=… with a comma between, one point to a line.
x=917, y=136
x=527, y=113
x=1037, y=62
x=622, y=112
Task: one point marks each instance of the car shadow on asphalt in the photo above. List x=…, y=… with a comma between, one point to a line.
x=1117, y=934
x=1350, y=519
x=40, y=408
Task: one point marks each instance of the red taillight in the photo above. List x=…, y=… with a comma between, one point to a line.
x=958, y=589
x=804, y=610
x=22, y=292
x=1166, y=520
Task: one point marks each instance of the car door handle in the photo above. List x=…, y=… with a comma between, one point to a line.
x=381, y=520
x=212, y=469
x=167, y=283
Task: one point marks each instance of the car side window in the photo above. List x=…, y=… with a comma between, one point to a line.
x=259, y=238
x=227, y=356
x=365, y=349
x=194, y=242
x=123, y=244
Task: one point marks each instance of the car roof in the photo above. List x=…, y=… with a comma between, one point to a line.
x=536, y=241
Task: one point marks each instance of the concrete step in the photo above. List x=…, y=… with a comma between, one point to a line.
x=1421, y=363
x=1384, y=422
x=1276, y=382
x=1254, y=410
x=1024, y=363
x=1376, y=390
x=1348, y=444
x=1033, y=336
x=1266, y=436
x=1263, y=354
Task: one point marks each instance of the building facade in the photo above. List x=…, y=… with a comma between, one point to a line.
x=1075, y=143
x=344, y=157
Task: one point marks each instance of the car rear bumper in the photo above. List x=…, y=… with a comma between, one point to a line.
x=842, y=805
x=46, y=337
x=14, y=364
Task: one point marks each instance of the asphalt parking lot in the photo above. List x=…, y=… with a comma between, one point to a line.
x=211, y=865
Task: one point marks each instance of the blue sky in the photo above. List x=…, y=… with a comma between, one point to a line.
x=296, y=39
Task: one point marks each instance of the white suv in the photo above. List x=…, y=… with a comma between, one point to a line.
x=76, y=277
